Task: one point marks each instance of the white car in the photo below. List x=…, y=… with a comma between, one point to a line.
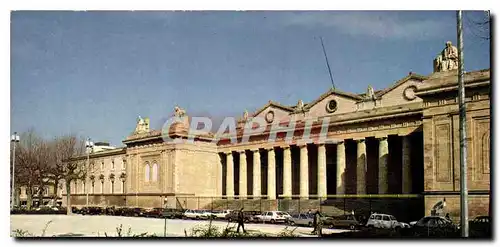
x=273, y=217
x=192, y=214
x=206, y=214
x=385, y=221
x=221, y=214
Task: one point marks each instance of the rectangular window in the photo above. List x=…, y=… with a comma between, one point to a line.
x=112, y=164
x=102, y=165
x=123, y=164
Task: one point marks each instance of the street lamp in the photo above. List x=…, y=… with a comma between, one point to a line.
x=15, y=139
x=89, y=145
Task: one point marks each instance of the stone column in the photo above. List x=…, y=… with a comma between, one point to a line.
x=256, y=192
x=383, y=155
x=229, y=175
x=341, y=172
x=304, y=173
x=322, y=170
x=406, y=169
x=287, y=172
x=361, y=168
x=271, y=175
x=243, y=175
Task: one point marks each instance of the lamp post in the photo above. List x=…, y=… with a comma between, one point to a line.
x=89, y=145
x=15, y=139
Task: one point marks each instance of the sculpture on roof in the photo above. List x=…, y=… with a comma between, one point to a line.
x=245, y=116
x=142, y=125
x=446, y=60
x=179, y=112
x=370, y=93
x=300, y=106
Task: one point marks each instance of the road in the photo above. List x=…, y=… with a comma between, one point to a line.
x=98, y=226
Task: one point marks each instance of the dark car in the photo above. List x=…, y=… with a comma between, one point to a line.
x=480, y=226
x=119, y=211
x=135, y=212
x=434, y=226
x=75, y=210
x=109, y=210
x=172, y=213
x=92, y=211
x=342, y=221
x=248, y=216
x=153, y=212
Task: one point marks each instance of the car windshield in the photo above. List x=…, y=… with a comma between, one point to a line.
x=280, y=213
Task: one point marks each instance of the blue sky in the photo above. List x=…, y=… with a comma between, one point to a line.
x=93, y=73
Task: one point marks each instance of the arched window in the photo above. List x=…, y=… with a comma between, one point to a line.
x=155, y=172
x=146, y=172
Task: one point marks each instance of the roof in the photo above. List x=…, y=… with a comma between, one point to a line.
x=333, y=91
x=399, y=82
x=274, y=104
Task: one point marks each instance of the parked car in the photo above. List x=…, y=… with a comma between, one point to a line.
x=434, y=226
x=133, y=212
x=221, y=214
x=172, y=213
x=154, y=213
x=75, y=210
x=303, y=219
x=342, y=221
x=192, y=214
x=120, y=211
x=385, y=221
x=480, y=226
x=92, y=211
x=206, y=214
x=272, y=217
x=233, y=216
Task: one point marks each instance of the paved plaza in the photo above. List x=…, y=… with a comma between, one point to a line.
x=95, y=226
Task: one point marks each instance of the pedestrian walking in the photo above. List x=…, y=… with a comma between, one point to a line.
x=319, y=223
x=241, y=221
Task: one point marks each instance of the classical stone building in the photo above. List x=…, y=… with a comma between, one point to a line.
x=400, y=140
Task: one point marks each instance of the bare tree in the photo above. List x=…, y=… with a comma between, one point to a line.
x=31, y=161
x=64, y=167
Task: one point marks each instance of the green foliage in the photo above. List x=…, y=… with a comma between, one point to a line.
x=19, y=233
x=211, y=231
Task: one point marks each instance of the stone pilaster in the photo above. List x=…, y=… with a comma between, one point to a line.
x=361, y=168
x=287, y=172
x=304, y=173
x=229, y=175
x=383, y=155
x=243, y=175
x=322, y=171
x=256, y=192
x=406, y=169
x=271, y=174
x=341, y=171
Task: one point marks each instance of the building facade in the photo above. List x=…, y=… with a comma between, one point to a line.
x=399, y=140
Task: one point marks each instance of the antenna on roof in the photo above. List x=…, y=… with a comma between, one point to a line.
x=327, y=64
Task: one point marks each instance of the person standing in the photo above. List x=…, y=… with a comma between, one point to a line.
x=241, y=221
x=319, y=224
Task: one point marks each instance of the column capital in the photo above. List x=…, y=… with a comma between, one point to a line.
x=228, y=152
x=381, y=138
x=284, y=146
x=269, y=148
x=241, y=151
x=255, y=150
x=359, y=139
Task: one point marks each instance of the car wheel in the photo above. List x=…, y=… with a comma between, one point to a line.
x=309, y=224
x=331, y=226
x=292, y=223
x=352, y=227
x=272, y=221
x=197, y=217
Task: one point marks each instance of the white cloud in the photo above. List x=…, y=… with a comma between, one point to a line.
x=387, y=25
